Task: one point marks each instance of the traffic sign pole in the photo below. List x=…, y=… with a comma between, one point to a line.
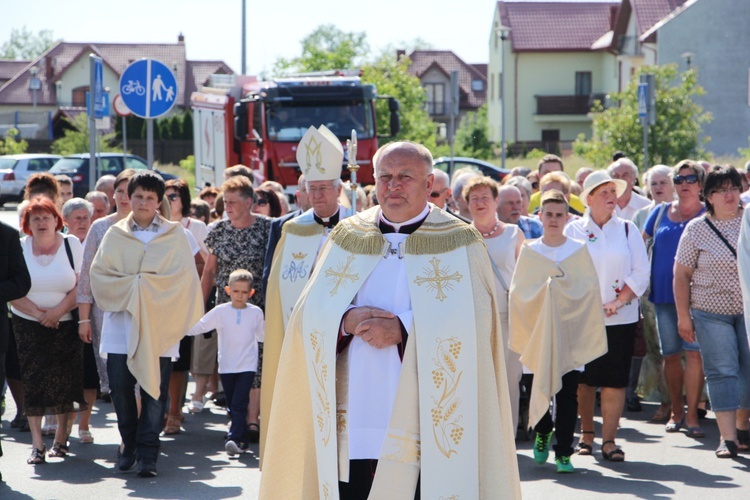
x=95, y=83
x=643, y=103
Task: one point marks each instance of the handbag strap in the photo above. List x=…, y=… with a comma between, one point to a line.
x=69, y=252
x=718, y=233
x=498, y=275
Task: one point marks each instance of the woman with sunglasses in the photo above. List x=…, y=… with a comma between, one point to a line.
x=267, y=203
x=708, y=290
x=665, y=224
x=178, y=193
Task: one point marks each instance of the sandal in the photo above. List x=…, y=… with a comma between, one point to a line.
x=695, y=432
x=174, y=423
x=616, y=455
x=675, y=426
x=743, y=438
x=661, y=415
x=58, y=450
x=253, y=432
x=37, y=456
x=727, y=449
x=85, y=436
x=583, y=448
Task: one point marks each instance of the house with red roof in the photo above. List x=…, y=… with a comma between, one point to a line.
x=63, y=73
x=553, y=60
x=434, y=68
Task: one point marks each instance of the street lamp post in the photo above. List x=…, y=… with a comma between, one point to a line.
x=502, y=33
x=34, y=83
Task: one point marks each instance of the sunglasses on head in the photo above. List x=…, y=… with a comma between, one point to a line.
x=690, y=179
x=173, y=196
x=262, y=202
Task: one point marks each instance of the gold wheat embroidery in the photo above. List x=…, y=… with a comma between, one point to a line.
x=320, y=370
x=446, y=418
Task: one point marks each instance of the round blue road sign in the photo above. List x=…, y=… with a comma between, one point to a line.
x=148, y=88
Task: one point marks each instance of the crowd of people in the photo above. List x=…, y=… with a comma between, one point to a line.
x=601, y=286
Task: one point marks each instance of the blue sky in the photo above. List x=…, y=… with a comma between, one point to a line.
x=212, y=28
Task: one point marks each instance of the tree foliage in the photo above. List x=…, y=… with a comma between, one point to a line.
x=25, y=45
x=473, y=135
x=674, y=137
x=76, y=139
x=326, y=48
x=12, y=144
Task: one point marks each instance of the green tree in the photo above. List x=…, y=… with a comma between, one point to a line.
x=326, y=48
x=674, y=137
x=187, y=125
x=12, y=144
x=175, y=126
x=473, y=135
x=76, y=138
x=25, y=45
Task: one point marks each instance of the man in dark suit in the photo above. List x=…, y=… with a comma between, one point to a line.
x=15, y=283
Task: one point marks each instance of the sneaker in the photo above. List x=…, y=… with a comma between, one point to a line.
x=541, y=447
x=564, y=465
x=147, y=469
x=232, y=448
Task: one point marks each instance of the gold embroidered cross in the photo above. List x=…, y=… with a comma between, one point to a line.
x=438, y=279
x=312, y=148
x=343, y=272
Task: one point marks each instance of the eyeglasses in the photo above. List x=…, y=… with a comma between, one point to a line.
x=724, y=191
x=173, y=196
x=534, y=185
x=262, y=202
x=436, y=194
x=690, y=179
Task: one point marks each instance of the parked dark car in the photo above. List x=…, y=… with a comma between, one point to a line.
x=444, y=162
x=15, y=170
x=77, y=168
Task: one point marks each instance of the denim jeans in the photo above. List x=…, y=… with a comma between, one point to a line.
x=669, y=338
x=140, y=434
x=726, y=358
x=237, y=391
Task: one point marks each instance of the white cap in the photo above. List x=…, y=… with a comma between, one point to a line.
x=320, y=155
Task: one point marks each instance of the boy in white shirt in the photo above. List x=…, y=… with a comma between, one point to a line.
x=240, y=326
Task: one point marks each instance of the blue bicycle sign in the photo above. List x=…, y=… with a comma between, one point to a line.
x=148, y=88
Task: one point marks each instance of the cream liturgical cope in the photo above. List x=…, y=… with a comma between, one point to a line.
x=556, y=320
x=450, y=424
x=293, y=262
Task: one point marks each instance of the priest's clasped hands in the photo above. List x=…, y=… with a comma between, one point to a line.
x=376, y=326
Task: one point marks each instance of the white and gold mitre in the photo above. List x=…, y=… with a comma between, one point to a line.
x=320, y=155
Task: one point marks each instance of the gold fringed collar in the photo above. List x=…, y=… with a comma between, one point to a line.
x=440, y=233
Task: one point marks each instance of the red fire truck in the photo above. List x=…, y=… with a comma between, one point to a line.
x=259, y=124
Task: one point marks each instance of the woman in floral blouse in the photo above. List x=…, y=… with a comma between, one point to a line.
x=709, y=304
x=238, y=243
x=619, y=255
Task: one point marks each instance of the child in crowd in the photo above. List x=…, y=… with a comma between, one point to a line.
x=240, y=326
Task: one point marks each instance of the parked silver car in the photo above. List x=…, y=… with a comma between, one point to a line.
x=15, y=171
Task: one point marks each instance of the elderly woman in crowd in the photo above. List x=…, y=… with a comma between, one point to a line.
x=709, y=305
x=77, y=214
x=666, y=224
x=621, y=264
x=50, y=354
x=178, y=193
x=503, y=244
x=239, y=243
x=90, y=316
x=651, y=383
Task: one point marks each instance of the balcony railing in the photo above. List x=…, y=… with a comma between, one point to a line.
x=566, y=104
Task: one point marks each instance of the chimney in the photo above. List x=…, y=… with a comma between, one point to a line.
x=613, y=11
x=181, y=39
x=399, y=54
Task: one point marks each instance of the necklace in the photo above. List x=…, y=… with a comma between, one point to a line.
x=497, y=225
x=692, y=214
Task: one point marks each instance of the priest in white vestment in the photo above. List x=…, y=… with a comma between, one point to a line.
x=391, y=382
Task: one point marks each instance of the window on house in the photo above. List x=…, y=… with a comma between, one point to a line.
x=583, y=82
x=435, y=98
x=477, y=85
x=79, y=96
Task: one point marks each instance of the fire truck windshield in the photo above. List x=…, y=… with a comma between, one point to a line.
x=288, y=122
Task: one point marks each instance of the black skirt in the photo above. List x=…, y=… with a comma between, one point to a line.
x=51, y=363
x=613, y=368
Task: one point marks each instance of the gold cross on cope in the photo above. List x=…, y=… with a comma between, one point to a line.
x=342, y=273
x=438, y=279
